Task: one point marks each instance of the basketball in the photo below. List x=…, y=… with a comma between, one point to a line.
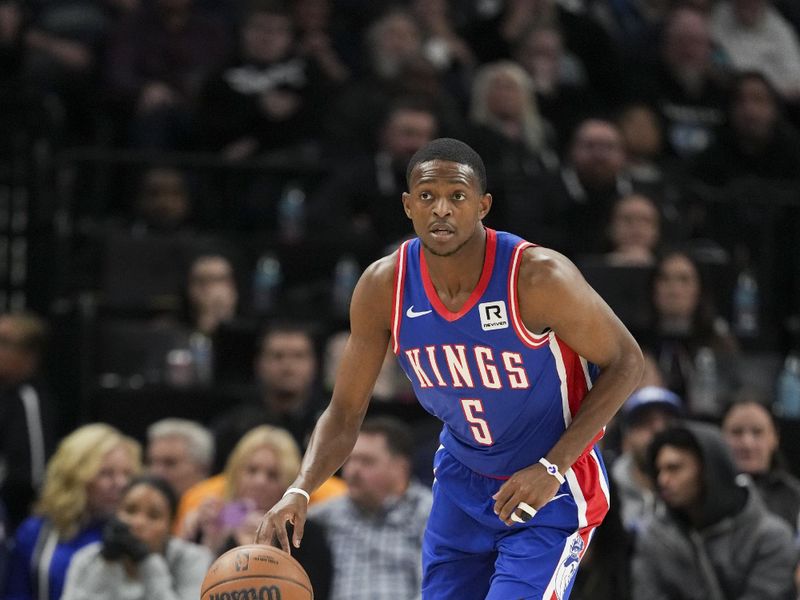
x=256, y=572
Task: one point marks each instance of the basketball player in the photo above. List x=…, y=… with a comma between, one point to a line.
x=522, y=361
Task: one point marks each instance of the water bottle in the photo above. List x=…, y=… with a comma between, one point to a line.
x=704, y=385
x=292, y=212
x=200, y=347
x=345, y=276
x=267, y=281
x=745, y=305
x=787, y=403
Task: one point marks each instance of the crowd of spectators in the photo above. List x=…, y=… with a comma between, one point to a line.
x=227, y=167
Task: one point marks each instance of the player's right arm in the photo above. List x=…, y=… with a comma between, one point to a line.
x=337, y=429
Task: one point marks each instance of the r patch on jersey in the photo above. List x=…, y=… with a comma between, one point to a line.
x=493, y=315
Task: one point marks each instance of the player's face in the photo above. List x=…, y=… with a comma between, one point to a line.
x=446, y=204
x=679, y=477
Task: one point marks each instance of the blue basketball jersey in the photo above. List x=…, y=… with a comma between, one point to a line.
x=504, y=393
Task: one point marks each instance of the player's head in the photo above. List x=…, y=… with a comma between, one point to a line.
x=450, y=150
x=446, y=198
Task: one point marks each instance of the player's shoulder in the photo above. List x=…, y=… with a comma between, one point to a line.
x=373, y=295
x=544, y=268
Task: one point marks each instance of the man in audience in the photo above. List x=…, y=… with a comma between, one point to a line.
x=648, y=411
x=286, y=374
x=27, y=418
x=365, y=195
x=375, y=531
x=179, y=451
x=716, y=538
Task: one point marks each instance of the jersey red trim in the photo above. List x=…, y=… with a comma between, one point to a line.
x=530, y=339
x=483, y=282
x=397, y=295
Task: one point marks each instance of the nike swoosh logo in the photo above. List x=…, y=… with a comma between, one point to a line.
x=557, y=497
x=412, y=314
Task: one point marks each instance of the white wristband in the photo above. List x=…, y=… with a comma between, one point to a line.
x=297, y=491
x=552, y=469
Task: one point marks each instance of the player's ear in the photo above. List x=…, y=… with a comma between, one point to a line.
x=485, y=204
x=406, y=202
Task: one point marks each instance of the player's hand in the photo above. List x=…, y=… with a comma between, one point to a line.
x=532, y=485
x=291, y=508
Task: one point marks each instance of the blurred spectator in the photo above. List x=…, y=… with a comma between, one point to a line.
x=211, y=293
x=179, y=451
x=137, y=558
x=258, y=471
x=684, y=82
x=362, y=199
x=396, y=67
x=5, y=545
x=375, y=531
x=605, y=571
x=271, y=98
x=82, y=488
x=442, y=45
x=685, y=322
x=633, y=24
x=27, y=418
x=651, y=170
x=567, y=206
x=634, y=232
x=64, y=42
x=392, y=384
x=755, y=36
x=559, y=78
x=493, y=39
x=286, y=373
x=506, y=127
x=321, y=38
x=751, y=432
x=716, y=538
x=645, y=413
x=756, y=140
x=156, y=63
x=163, y=204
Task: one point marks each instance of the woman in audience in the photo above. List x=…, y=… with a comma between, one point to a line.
x=83, y=485
x=634, y=231
x=258, y=472
x=751, y=433
x=137, y=558
x=691, y=343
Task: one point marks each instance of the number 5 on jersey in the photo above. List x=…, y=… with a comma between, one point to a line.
x=479, y=427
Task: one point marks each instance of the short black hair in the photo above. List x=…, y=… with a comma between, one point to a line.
x=398, y=436
x=677, y=436
x=452, y=150
x=157, y=483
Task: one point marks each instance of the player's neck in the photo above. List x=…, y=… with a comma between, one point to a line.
x=458, y=274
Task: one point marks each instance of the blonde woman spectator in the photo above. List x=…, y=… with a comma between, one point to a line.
x=258, y=472
x=138, y=559
x=507, y=129
x=83, y=485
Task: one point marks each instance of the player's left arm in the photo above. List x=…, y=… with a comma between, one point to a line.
x=553, y=294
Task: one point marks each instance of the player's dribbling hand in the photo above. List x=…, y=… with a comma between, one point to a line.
x=292, y=508
x=532, y=485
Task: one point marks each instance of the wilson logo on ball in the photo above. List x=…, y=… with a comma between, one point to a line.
x=265, y=592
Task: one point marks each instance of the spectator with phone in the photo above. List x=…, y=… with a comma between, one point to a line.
x=137, y=557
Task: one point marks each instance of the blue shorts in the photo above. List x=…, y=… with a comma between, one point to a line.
x=468, y=553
